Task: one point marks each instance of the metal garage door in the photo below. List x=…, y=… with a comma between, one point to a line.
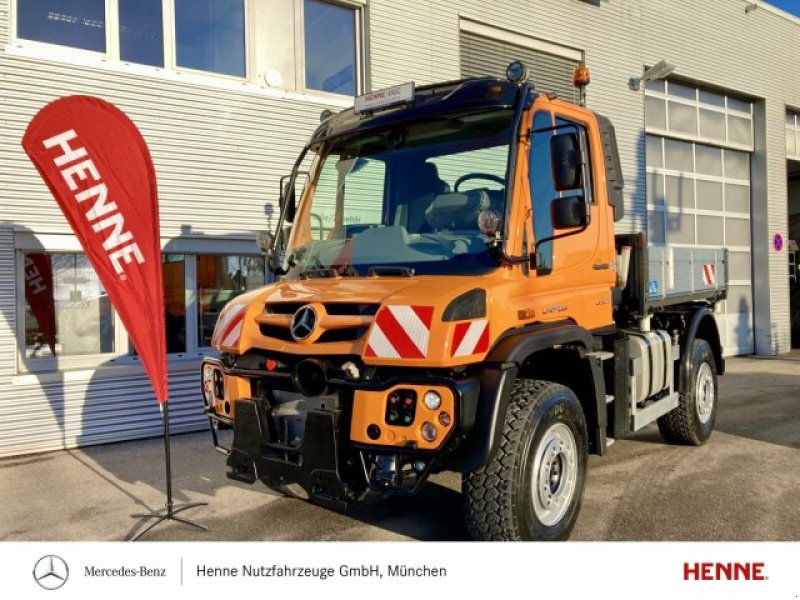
x=698, y=187
x=482, y=55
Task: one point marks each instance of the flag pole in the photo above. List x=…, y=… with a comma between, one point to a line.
x=169, y=512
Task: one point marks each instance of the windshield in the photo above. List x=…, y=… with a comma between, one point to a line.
x=424, y=197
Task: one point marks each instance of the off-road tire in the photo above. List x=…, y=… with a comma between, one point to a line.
x=683, y=424
x=498, y=497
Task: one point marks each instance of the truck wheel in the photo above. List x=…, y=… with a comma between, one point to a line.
x=532, y=489
x=692, y=421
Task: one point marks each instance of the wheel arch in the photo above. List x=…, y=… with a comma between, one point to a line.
x=701, y=325
x=554, y=352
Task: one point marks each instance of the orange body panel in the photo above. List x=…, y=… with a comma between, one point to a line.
x=370, y=407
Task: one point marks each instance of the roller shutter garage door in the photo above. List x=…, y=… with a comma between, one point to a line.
x=698, y=150
x=481, y=56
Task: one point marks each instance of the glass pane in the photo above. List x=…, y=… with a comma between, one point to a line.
x=739, y=265
x=710, y=230
x=678, y=155
x=737, y=198
x=712, y=98
x=682, y=91
x=708, y=160
x=141, y=35
x=220, y=279
x=790, y=119
x=67, y=311
x=174, y=275
x=791, y=143
x=330, y=43
x=656, y=85
x=737, y=232
x=739, y=130
x=543, y=189
x=737, y=165
x=655, y=189
x=209, y=35
x=682, y=118
x=680, y=228
x=740, y=105
x=679, y=191
x=654, y=153
x=75, y=23
x=655, y=112
x=655, y=228
x=709, y=195
x=712, y=125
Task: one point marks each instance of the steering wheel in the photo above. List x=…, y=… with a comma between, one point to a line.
x=485, y=176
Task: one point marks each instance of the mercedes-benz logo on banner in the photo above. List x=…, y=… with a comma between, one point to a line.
x=304, y=322
x=51, y=572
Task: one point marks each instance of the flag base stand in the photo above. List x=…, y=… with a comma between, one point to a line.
x=169, y=512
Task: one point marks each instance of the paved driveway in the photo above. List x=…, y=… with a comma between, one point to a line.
x=743, y=485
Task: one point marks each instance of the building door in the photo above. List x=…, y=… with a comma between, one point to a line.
x=698, y=149
x=793, y=243
x=486, y=51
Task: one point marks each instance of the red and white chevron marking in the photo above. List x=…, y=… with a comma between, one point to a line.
x=400, y=332
x=710, y=274
x=470, y=337
x=229, y=326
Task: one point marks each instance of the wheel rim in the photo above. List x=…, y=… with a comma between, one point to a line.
x=555, y=471
x=704, y=392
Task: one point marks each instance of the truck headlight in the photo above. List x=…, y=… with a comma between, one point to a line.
x=432, y=400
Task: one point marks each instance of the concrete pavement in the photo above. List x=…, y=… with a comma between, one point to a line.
x=743, y=485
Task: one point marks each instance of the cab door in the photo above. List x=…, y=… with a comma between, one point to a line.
x=573, y=265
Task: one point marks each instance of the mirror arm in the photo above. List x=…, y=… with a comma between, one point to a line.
x=552, y=238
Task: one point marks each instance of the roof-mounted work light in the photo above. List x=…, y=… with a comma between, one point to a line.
x=517, y=72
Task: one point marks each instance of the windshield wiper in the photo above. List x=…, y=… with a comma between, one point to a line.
x=390, y=270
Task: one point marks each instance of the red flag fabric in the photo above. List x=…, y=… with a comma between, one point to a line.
x=39, y=295
x=99, y=169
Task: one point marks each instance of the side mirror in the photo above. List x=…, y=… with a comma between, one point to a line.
x=288, y=201
x=569, y=212
x=565, y=149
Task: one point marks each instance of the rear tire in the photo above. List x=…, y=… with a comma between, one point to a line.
x=692, y=421
x=533, y=488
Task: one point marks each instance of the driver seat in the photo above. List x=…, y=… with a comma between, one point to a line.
x=423, y=186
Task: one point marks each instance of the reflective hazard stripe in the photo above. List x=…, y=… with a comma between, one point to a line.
x=470, y=337
x=229, y=326
x=710, y=274
x=400, y=331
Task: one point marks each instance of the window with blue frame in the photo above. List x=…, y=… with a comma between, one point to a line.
x=141, y=32
x=330, y=47
x=75, y=23
x=209, y=36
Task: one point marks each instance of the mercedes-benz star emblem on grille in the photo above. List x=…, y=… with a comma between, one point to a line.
x=51, y=572
x=304, y=322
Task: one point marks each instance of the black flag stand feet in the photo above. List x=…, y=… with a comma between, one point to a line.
x=169, y=512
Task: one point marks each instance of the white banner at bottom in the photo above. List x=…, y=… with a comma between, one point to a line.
x=390, y=570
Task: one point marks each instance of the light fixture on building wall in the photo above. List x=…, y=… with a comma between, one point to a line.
x=660, y=70
x=751, y=6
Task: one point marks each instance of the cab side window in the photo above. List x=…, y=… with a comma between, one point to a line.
x=544, y=189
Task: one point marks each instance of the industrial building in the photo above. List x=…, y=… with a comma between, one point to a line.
x=226, y=92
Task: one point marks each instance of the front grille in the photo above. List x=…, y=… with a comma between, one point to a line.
x=272, y=331
x=344, y=322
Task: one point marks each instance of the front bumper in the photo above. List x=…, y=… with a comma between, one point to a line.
x=322, y=454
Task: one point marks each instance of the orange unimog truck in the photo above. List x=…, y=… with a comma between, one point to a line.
x=452, y=296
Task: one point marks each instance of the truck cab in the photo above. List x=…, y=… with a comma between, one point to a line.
x=453, y=295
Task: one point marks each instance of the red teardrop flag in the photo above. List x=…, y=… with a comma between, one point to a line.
x=99, y=169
